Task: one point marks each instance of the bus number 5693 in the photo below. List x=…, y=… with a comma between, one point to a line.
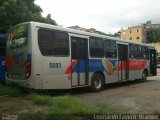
x=54, y=65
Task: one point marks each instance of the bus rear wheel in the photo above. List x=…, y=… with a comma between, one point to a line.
x=144, y=75
x=97, y=82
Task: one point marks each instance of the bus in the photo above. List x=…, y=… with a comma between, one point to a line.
x=43, y=56
x=2, y=57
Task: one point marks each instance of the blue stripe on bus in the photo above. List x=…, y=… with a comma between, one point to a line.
x=94, y=65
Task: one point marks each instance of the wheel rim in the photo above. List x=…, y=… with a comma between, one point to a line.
x=144, y=75
x=97, y=83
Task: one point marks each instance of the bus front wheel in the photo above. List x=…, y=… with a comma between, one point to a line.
x=97, y=82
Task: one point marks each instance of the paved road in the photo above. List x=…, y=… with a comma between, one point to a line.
x=132, y=97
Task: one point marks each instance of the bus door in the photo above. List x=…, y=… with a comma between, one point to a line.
x=152, y=58
x=123, y=62
x=79, y=59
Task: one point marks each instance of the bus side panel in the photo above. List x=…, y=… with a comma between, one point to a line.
x=38, y=82
x=108, y=66
x=56, y=82
x=136, y=68
x=37, y=60
x=111, y=78
x=111, y=70
x=131, y=75
x=138, y=74
x=54, y=70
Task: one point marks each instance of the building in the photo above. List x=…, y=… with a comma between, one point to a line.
x=139, y=33
x=135, y=33
x=76, y=27
x=92, y=30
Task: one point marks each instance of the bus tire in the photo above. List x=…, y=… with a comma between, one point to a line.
x=97, y=82
x=144, y=75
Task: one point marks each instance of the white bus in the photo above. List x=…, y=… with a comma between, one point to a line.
x=43, y=56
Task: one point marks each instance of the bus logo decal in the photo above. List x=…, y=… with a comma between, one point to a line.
x=69, y=69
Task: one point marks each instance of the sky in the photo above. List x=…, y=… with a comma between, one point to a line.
x=107, y=16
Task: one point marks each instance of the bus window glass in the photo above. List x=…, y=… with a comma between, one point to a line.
x=53, y=43
x=17, y=37
x=61, y=44
x=100, y=43
x=139, y=52
x=144, y=53
x=135, y=48
x=100, y=50
x=131, y=51
x=92, y=46
x=92, y=42
x=112, y=45
x=131, y=47
x=110, y=49
x=96, y=47
x=135, y=51
x=106, y=44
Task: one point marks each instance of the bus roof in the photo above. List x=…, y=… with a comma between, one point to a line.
x=49, y=26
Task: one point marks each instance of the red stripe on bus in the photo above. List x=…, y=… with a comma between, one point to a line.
x=133, y=65
x=138, y=64
x=69, y=69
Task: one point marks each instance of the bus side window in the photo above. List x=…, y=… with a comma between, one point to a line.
x=96, y=47
x=53, y=43
x=146, y=53
x=135, y=51
x=131, y=51
x=139, y=52
x=110, y=49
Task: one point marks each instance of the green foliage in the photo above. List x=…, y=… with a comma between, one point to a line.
x=59, y=107
x=10, y=90
x=69, y=105
x=16, y=11
x=40, y=99
x=11, y=107
x=153, y=35
x=63, y=105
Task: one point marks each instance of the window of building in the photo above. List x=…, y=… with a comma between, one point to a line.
x=137, y=38
x=130, y=31
x=130, y=38
x=110, y=49
x=96, y=47
x=53, y=43
x=137, y=30
x=124, y=33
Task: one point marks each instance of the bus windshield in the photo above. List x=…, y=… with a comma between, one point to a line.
x=17, y=36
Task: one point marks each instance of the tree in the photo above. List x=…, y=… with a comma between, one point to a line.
x=153, y=35
x=117, y=34
x=16, y=11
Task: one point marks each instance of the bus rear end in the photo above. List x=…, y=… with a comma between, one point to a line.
x=18, y=57
x=2, y=57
